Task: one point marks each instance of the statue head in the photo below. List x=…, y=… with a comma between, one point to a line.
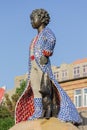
x=39, y=17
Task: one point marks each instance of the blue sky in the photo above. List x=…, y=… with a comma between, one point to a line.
x=68, y=22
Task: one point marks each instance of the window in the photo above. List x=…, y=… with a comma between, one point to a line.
x=84, y=70
x=80, y=97
x=85, y=96
x=76, y=72
x=64, y=74
x=56, y=74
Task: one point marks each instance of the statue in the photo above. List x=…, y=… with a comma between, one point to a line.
x=46, y=92
x=43, y=96
x=49, y=102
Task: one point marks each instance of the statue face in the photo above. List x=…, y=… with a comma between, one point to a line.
x=35, y=21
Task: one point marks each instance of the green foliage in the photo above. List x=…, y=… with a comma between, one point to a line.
x=6, y=120
x=10, y=103
x=4, y=112
x=14, y=98
x=8, y=108
x=20, y=90
x=6, y=123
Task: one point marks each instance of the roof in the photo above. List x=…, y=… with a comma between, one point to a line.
x=79, y=61
x=2, y=91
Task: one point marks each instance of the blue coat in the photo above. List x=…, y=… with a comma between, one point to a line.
x=46, y=42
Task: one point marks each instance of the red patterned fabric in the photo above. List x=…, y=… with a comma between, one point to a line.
x=25, y=106
x=47, y=53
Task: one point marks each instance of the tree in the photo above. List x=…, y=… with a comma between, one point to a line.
x=4, y=112
x=10, y=103
x=6, y=120
x=7, y=109
x=6, y=123
x=20, y=90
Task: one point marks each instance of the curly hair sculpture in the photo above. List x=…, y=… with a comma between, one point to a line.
x=43, y=15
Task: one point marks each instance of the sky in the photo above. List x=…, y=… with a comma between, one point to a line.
x=68, y=22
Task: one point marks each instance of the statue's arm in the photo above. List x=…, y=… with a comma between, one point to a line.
x=49, y=41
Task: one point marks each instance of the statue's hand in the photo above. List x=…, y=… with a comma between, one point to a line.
x=43, y=60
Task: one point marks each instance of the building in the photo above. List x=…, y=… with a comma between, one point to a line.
x=72, y=78
x=18, y=80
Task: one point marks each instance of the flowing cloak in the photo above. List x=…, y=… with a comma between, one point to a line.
x=29, y=107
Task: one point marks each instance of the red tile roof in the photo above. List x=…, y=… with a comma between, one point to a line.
x=2, y=91
x=80, y=61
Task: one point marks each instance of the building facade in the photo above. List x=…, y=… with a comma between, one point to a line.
x=72, y=78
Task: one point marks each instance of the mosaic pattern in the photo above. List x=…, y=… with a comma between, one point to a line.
x=38, y=109
x=25, y=105
x=46, y=43
x=68, y=114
